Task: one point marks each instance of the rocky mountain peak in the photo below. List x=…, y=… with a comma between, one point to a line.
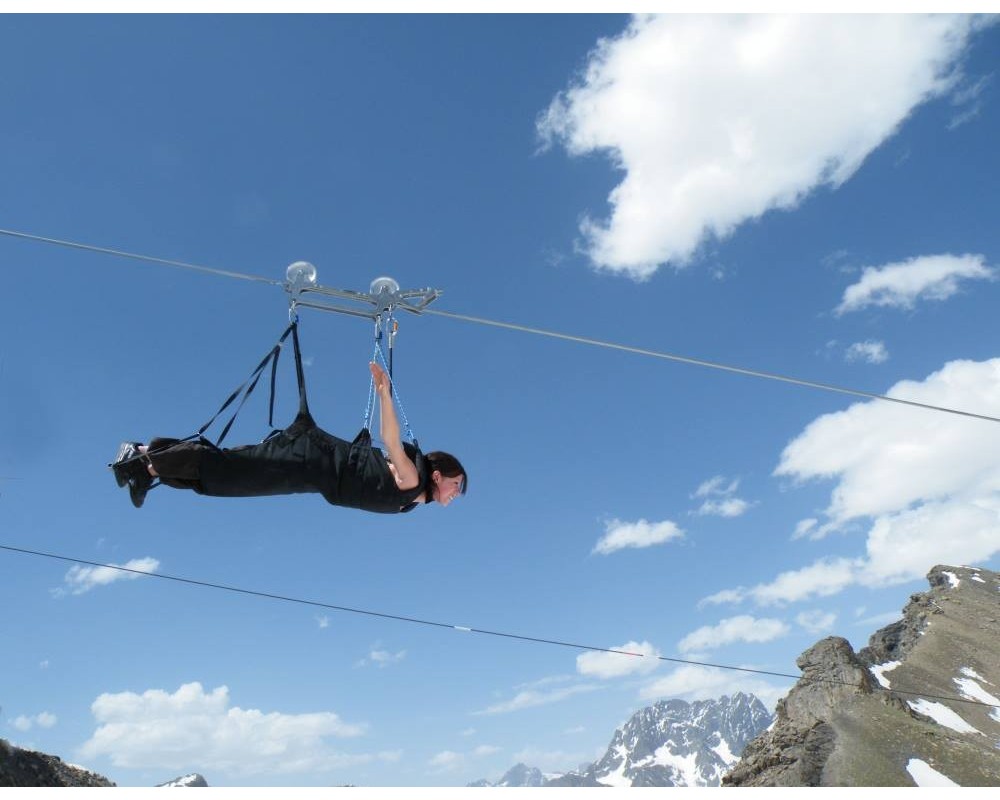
x=919, y=700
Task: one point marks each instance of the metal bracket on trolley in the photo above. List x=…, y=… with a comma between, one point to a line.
x=383, y=297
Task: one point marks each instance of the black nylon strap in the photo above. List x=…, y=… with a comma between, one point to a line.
x=271, y=357
x=299, y=374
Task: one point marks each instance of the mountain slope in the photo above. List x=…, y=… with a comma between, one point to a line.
x=27, y=768
x=894, y=714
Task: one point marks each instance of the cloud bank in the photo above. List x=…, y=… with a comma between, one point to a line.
x=191, y=729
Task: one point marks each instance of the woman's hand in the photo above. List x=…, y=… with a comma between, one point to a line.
x=382, y=384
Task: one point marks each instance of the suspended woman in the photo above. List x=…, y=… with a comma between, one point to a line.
x=301, y=458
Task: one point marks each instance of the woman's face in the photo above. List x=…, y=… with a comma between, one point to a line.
x=446, y=489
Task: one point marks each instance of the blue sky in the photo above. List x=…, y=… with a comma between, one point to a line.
x=806, y=196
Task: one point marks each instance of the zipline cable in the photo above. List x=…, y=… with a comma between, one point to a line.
x=138, y=257
x=773, y=376
x=463, y=628
x=536, y=331
x=526, y=329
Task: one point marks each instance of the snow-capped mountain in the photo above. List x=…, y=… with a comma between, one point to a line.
x=671, y=743
x=674, y=743
x=193, y=779
x=518, y=775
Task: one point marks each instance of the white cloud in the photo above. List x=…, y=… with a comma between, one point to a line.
x=730, y=507
x=719, y=500
x=823, y=578
x=743, y=628
x=716, y=119
x=619, y=535
x=734, y=596
x=692, y=682
x=886, y=457
x=902, y=284
x=816, y=621
x=616, y=665
x=870, y=351
x=968, y=103
x=716, y=486
x=192, y=729
x=530, y=698
x=26, y=723
x=82, y=579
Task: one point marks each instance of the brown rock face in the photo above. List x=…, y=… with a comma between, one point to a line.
x=841, y=726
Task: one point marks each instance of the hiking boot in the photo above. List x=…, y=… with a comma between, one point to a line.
x=138, y=485
x=122, y=465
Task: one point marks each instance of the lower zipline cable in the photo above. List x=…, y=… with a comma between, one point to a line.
x=463, y=628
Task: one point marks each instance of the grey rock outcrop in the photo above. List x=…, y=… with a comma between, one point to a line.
x=23, y=768
x=863, y=719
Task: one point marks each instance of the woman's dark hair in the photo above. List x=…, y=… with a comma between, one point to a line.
x=447, y=465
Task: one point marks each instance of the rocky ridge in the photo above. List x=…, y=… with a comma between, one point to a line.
x=24, y=768
x=873, y=718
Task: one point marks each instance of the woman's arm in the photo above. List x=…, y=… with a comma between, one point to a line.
x=404, y=470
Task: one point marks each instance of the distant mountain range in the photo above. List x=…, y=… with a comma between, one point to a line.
x=671, y=743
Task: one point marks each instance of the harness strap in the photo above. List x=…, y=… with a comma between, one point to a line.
x=250, y=384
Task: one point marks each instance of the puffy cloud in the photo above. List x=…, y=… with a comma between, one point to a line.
x=869, y=351
x=716, y=119
x=926, y=482
x=902, y=284
x=823, y=578
x=80, y=579
x=190, y=729
x=616, y=665
x=887, y=458
x=734, y=629
x=619, y=535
